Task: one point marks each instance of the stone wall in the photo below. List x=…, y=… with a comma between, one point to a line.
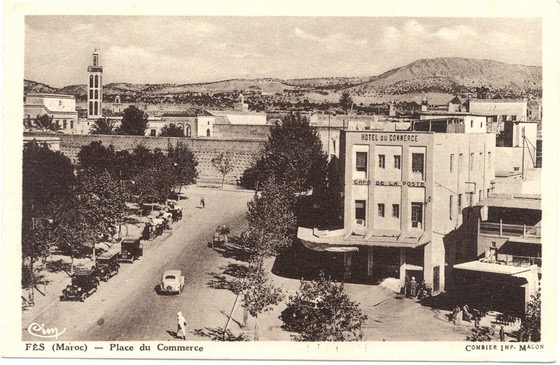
x=244, y=151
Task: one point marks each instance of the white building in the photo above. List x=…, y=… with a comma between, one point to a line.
x=60, y=108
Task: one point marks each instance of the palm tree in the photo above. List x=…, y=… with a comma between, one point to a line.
x=103, y=126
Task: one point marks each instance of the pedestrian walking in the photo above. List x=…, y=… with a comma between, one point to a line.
x=181, y=326
x=413, y=287
x=202, y=204
x=502, y=334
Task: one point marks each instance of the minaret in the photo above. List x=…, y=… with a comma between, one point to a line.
x=94, y=89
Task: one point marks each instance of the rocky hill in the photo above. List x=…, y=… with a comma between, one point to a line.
x=439, y=75
x=453, y=76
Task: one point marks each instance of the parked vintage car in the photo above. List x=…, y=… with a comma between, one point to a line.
x=172, y=282
x=131, y=249
x=108, y=264
x=84, y=283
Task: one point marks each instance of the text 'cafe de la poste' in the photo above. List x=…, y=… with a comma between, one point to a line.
x=403, y=194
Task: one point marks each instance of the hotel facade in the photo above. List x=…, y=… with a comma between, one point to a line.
x=403, y=197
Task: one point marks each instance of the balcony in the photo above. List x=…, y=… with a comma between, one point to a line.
x=509, y=230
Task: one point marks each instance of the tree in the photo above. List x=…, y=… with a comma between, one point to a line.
x=96, y=208
x=291, y=154
x=103, y=126
x=346, y=101
x=172, y=130
x=322, y=311
x=224, y=164
x=134, y=121
x=271, y=220
x=184, y=164
x=97, y=158
x=48, y=180
x=258, y=295
x=531, y=324
x=45, y=122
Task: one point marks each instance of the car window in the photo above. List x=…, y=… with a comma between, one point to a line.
x=171, y=277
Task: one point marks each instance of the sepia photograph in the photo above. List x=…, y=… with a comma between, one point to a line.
x=185, y=181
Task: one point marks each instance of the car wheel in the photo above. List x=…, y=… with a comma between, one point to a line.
x=83, y=297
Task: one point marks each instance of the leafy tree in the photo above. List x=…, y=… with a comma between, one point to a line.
x=271, y=220
x=134, y=121
x=155, y=177
x=531, y=324
x=103, y=126
x=481, y=334
x=97, y=158
x=291, y=154
x=346, y=101
x=96, y=208
x=259, y=295
x=184, y=164
x=224, y=164
x=48, y=180
x=45, y=122
x=172, y=130
x=322, y=311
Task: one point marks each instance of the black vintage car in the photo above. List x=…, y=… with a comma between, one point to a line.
x=108, y=264
x=131, y=249
x=84, y=283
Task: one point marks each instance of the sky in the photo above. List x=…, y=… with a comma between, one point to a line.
x=188, y=49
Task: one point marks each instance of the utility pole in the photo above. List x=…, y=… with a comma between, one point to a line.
x=523, y=154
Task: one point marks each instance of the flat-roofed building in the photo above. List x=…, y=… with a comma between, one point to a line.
x=60, y=108
x=403, y=193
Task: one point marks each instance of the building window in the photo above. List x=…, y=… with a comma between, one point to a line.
x=450, y=207
x=416, y=215
x=90, y=107
x=381, y=161
x=418, y=164
x=208, y=133
x=360, y=211
x=397, y=160
x=95, y=108
x=90, y=80
x=480, y=160
x=381, y=210
x=97, y=94
x=480, y=124
x=480, y=196
x=471, y=161
x=460, y=162
x=71, y=124
x=188, y=134
x=460, y=203
x=96, y=81
x=361, y=161
x=472, y=123
x=153, y=132
x=396, y=211
x=451, y=162
x=91, y=94
x=64, y=124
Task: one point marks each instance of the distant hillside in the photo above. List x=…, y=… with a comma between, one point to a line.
x=439, y=75
x=37, y=87
x=454, y=75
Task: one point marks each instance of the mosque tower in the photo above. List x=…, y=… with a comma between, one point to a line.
x=95, y=88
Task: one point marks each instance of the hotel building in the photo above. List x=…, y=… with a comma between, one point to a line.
x=403, y=196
